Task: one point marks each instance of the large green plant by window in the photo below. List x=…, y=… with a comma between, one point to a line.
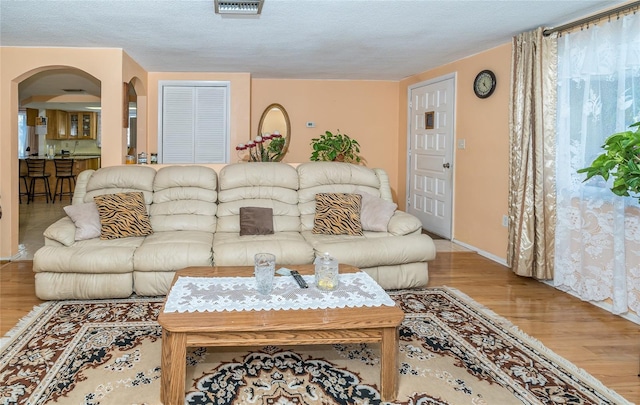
x=621, y=160
x=335, y=147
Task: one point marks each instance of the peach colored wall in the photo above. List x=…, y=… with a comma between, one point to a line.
x=17, y=64
x=365, y=110
x=135, y=75
x=240, y=113
x=482, y=169
x=373, y=112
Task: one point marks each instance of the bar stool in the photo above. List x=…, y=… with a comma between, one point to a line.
x=36, y=171
x=24, y=175
x=64, y=171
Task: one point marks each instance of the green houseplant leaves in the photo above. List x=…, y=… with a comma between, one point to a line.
x=621, y=160
x=335, y=147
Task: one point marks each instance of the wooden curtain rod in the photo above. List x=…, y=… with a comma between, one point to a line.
x=595, y=17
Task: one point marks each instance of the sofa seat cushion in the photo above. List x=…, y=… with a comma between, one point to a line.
x=150, y=283
x=231, y=249
x=373, y=250
x=68, y=286
x=88, y=256
x=174, y=250
x=410, y=275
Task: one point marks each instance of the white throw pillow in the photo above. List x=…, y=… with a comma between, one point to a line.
x=86, y=218
x=375, y=212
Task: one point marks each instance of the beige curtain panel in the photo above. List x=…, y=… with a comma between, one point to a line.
x=532, y=122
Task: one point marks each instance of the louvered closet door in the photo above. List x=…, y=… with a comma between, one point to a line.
x=194, y=124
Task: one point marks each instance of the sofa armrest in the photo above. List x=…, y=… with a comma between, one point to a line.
x=63, y=231
x=402, y=223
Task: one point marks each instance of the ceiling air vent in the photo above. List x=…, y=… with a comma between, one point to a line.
x=248, y=7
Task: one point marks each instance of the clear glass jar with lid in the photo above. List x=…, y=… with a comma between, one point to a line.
x=326, y=272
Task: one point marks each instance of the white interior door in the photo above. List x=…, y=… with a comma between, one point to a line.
x=430, y=159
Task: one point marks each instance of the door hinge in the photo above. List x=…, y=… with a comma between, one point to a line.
x=410, y=104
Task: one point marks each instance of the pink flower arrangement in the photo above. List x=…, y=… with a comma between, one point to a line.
x=264, y=148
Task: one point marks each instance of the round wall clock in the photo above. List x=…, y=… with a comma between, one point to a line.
x=484, y=84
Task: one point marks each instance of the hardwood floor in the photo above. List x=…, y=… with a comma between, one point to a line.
x=605, y=345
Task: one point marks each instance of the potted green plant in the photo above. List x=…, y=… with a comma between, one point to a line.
x=335, y=147
x=621, y=160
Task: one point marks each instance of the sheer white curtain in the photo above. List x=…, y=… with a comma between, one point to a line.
x=597, y=232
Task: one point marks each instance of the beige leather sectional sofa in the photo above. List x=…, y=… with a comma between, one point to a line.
x=195, y=215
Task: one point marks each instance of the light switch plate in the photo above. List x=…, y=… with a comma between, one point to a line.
x=461, y=144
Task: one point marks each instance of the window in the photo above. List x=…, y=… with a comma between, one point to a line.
x=597, y=234
x=598, y=95
x=193, y=122
x=22, y=133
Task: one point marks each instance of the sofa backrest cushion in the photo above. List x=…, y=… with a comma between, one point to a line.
x=184, y=199
x=258, y=184
x=336, y=177
x=121, y=179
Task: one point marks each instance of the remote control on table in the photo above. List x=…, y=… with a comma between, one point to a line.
x=299, y=279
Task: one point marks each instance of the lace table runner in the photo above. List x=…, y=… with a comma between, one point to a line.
x=217, y=294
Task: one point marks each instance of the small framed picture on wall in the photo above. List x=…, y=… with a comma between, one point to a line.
x=428, y=120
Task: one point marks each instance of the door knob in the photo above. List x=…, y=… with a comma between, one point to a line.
x=446, y=165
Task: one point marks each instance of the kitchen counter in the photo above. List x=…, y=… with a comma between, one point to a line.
x=75, y=157
x=80, y=163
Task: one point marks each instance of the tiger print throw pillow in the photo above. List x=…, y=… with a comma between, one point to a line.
x=337, y=214
x=123, y=215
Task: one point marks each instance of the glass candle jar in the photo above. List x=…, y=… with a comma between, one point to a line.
x=326, y=272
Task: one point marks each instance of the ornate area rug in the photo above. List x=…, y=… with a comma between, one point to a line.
x=452, y=351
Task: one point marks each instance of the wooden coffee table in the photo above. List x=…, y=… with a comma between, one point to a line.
x=282, y=327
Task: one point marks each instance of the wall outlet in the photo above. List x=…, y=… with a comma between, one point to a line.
x=505, y=221
x=66, y=144
x=311, y=124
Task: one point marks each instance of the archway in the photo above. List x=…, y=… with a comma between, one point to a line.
x=73, y=97
x=110, y=66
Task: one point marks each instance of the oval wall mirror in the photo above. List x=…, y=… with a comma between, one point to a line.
x=275, y=118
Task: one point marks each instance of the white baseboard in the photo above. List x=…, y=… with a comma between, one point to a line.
x=629, y=316
x=21, y=253
x=635, y=318
x=11, y=258
x=483, y=253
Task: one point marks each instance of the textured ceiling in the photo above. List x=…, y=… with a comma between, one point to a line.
x=293, y=39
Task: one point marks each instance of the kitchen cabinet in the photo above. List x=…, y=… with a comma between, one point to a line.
x=82, y=125
x=32, y=114
x=57, y=124
x=80, y=165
